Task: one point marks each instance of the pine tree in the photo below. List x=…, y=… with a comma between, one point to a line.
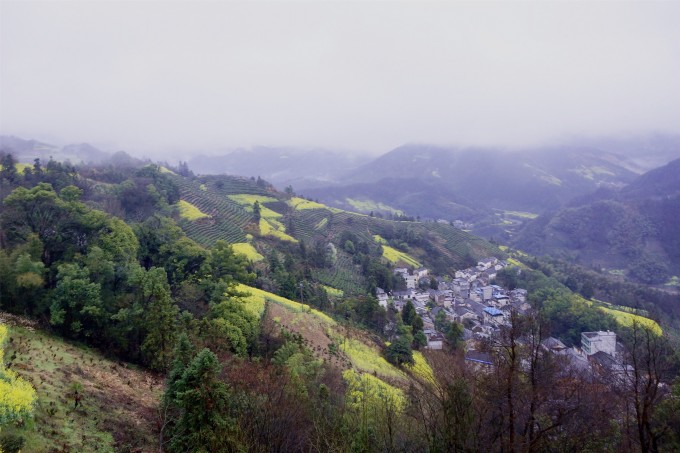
x=408, y=314
x=160, y=319
x=203, y=424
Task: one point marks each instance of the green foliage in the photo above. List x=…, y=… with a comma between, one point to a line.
x=70, y=194
x=228, y=265
x=649, y=270
x=570, y=315
x=419, y=340
x=76, y=302
x=17, y=397
x=301, y=365
x=236, y=323
x=454, y=335
x=160, y=316
x=203, y=401
x=408, y=313
x=399, y=352
x=11, y=443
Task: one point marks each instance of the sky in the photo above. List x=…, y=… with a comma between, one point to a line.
x=193, y=76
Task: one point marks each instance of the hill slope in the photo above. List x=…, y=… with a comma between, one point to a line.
x=117, y=405
x=228, y=203
x=470, y=183
x=632, y=230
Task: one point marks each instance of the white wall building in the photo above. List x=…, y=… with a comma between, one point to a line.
x=592, y=342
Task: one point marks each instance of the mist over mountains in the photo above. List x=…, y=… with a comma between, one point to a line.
x=27, y=150
x=598, y=202
x=632, y=230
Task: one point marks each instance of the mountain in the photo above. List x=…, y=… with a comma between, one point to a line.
x=265, y=327
x=471, y=183
x=282, y=166
x=26, y=151
x=632, y=230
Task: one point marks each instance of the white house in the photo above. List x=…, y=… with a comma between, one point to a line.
x=435, y=341
x=593, y=342
x=382, y=297
x=421, y=272
x=411, y=281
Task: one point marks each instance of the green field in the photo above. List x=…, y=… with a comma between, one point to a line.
x=521, y=214
x=625, y=316
x=247, y=249
x=333, y=292
x=673, y=281
x=301, y=204
x=245, y=199
x=190, y=212
x=393, y=255
x=370, y=205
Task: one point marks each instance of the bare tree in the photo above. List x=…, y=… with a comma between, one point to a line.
x=643, y=377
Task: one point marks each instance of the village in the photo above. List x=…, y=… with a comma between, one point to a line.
x=482, y=307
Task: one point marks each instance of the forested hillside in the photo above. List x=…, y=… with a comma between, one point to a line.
x=632, y=231
x=251, y=317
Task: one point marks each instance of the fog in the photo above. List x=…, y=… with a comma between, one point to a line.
x=164, y=77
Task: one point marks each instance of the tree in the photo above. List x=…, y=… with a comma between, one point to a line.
x=417, y=324
x=76, y=302
x=227, y=265
x=400, y=352
x=419, y=340
x=203, y=401
x=257, y=212
x=454, y=335
x=70, y=194
x=160, y=316
x=408, y=313
x=587, y=290
x=644, y=380
x=8, y=169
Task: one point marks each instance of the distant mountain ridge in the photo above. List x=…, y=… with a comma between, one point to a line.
x=28, y=150
x=281, y=166
x=632, y=230
x=450, y=183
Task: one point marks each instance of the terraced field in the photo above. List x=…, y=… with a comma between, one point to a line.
x=190, y=212
x=344, y=275
x=228, y=202
x=460, y=243
x=246, y=249
x=395, y=256
x=225, y=219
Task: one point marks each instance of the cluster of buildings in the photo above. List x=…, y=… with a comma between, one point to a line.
x=483, y=308
x=600, y=352
x=469, y=299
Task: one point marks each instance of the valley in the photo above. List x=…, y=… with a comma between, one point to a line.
x=274, y=298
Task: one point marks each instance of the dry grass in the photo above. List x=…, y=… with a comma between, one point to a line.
x=118, y=408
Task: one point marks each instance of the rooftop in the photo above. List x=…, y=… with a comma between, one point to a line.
x=493, y=311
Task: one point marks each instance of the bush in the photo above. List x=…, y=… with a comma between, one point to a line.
x=12, y=443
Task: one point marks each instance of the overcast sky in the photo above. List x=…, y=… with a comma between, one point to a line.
x=147, y=76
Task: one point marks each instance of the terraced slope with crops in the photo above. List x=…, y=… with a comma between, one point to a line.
x=226, y=218
x=228, y=203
